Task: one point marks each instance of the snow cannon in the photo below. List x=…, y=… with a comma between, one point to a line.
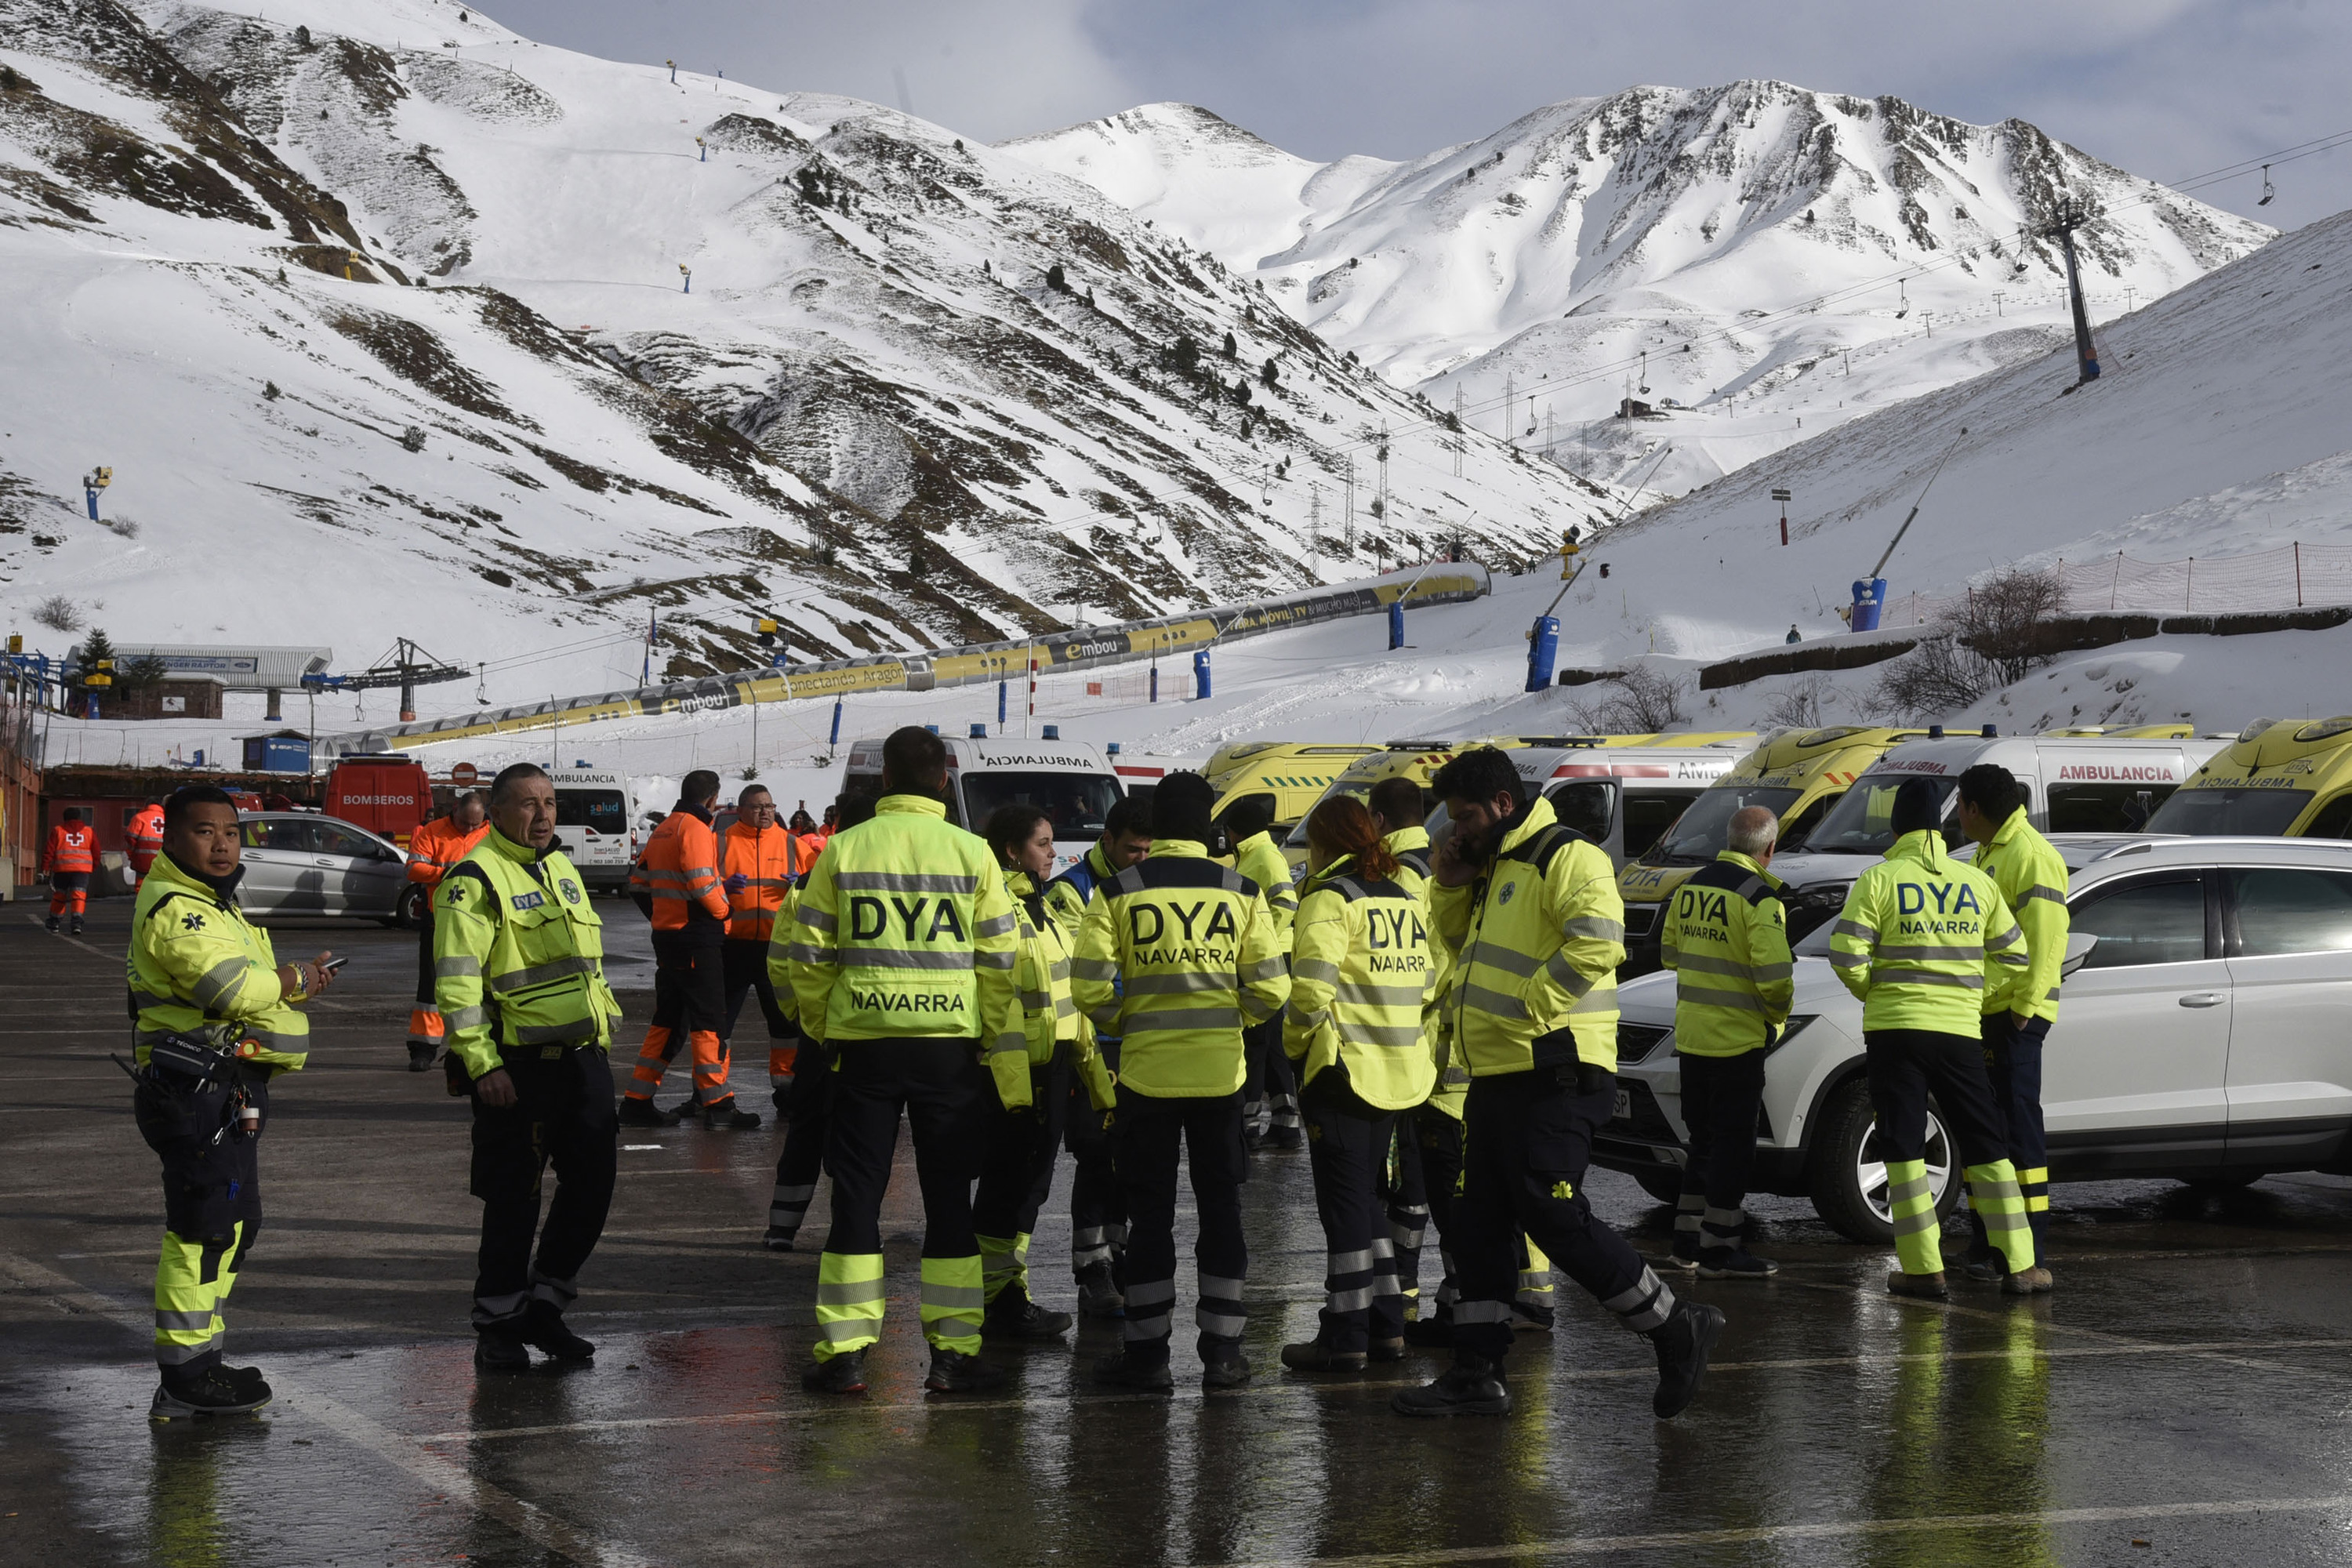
x=1543, y=652
x=1869, y=599
x=1200, y=674
x=1396, y=623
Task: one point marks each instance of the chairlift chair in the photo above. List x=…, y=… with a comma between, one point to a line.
x=2269, y=190
x=1903, y=299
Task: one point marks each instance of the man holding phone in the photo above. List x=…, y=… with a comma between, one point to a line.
x=519, y=976
x=216, y=1021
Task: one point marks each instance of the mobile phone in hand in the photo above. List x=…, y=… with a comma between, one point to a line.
x=332, y=964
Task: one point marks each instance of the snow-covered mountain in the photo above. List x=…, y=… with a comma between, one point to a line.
x=380, y=315
x=1787, y=259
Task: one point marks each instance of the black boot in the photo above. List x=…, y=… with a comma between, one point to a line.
x=844, y=1374
x=543, y=1325
x=636, y=1112
x=1682, y=1341
x=1014, y=1316
x=1098, y=1294
x=720, y=1115
x=1473, y=1385
x=501, y=1350
x=208, y=1394
x=778, y=1238
x=1125, y=1370
x=1224, y=1366
x=1316, y=1356
x=51, y=927
x=77, y=926
x=953, y=1371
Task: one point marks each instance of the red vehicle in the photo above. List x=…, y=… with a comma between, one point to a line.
x=388, y=794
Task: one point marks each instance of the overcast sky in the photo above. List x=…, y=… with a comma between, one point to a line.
x=2169, y=88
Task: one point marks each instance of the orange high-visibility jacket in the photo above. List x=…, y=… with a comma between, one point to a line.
x=73, y=847
x=679, y=871
x=437, y=846
x=770, y=860
x=144, y=837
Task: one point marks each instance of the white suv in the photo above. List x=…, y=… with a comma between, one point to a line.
x=2200, y=1036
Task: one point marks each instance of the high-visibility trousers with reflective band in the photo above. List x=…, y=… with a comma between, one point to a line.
x=193, y=1280
x=1905, y=1066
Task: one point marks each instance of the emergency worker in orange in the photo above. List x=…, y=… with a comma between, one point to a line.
x=67, y=859
x=433, y=849
x=760, y=862
x=676, y=881
x=143, y=837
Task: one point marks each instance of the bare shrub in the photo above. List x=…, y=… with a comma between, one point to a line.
x=58, y=614
x=1641, y=702
x=1992, y=636
x=1798, y=707
x=124, y=527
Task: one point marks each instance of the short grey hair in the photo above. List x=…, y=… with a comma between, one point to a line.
x=1753, y=830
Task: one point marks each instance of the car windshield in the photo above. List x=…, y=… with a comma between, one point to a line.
x=1076, y=802
x=1858, y=824
x=1697, y=836
x=601, y=809
x=1354, y=789
x=2204, y=813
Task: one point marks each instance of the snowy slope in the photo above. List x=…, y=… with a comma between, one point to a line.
x=872, y=415
x=1529, y=270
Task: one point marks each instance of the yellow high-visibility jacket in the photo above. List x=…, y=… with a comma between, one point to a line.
x=1360, y=981
x=1926, y=942
x=1050, y=1018
x=1260, y=860
x=198, y=967
x=1412, y=848
x=1724, y=934
x=1536, y=938
x=517, y=955
x=904, y=928
x=1068, y=895
x=2031, y=875
x=1175, y=955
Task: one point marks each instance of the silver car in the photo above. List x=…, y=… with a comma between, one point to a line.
x=298, y=863
x=2200, y=1037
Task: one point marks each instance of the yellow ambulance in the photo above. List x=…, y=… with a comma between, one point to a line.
x=1294, y=772
x=2281, y=777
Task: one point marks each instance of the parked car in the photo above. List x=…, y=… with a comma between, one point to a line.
x=2200, y=1037
x=301, y=863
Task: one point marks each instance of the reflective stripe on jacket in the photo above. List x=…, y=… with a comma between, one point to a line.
x=198, y=967
x=2031, y=875
x=1175, y=955
x=1360, y=978
x=144, y=838
x=768, y=861
x=437, y=846
x=679, y=872
x=517, y=955
x=1536, y=939
x=72, y=847
x=1725, y=935
x=1926, y=942
x=780, y=963
x=904, y=928
x=1257, y=859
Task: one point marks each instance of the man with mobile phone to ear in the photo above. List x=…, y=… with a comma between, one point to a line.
x=519, y=976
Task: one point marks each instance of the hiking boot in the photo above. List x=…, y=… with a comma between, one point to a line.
x=1316, y=1356
x=420, y=1057
x=2033, y=1281
x=1473, y=1385
x=636, y=1112
x=1380, y=1349
x=844, y=1374
x=1988, y=1271
x=1099, y=1293
x=1224, y=1367
x=500, y=1350
x=543, y=1325
x=1919, y=1287
x=688, y=1109
x=1736, y=1263
x=778, y=1238
x=1430, y=1333
x=1124, y=1371
x=953, y=1371
x=248, y=1378
x=1014, y=1316
x=720, y=1115
x=1682, y=1341
x=207, y=1395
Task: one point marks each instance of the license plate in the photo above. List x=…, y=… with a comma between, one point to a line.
x=1624, y=1108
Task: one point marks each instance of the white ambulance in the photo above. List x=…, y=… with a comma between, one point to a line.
x=1622, y=797
x=1070, y=781
x=595, y=818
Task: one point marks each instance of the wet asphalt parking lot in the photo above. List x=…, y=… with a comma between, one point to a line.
x=2186, y=1397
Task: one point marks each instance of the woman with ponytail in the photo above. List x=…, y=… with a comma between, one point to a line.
x=1017, y=1165
x=1360, y=975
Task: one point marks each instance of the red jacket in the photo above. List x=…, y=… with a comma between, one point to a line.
x=145, y=837
x=73, y=847
x=679, y=871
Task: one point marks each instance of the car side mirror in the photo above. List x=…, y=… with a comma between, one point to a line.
x=2079, y=945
